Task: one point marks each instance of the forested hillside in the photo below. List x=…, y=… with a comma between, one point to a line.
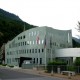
x=10, y=26
x=75, y=43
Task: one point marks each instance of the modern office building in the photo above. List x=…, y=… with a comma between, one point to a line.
x=37, y=45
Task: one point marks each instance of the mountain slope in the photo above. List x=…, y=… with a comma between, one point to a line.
x=76, y=42
x=76, y=39
x=8, y=15
x=11, y=26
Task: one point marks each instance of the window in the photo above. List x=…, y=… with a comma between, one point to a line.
x=21, y=37
x=21, y=43
x=32, y=50
x=42, y=41
x=35, y=50
x=48, y=50
x=36, y=41
x=25, y=42
x=39, y=50
x=34, y=60
x=22, y=51
x=18, y=38
x=33, y=42
x=42, y=50
x=27, y=50
x=29, y=34
x=35, y=33
x=40, y=60
x=30, y=42
x=39, y=41
x=37, y=60
x=32, y=33
x=24, y=37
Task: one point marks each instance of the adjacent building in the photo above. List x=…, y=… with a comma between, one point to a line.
x=2, y=54
x=36, y=45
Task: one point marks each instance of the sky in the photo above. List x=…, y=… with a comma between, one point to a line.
x=59, y=14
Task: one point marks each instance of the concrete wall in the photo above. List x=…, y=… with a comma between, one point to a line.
x=67, y=52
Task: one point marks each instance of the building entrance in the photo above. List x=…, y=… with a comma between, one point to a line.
x=22, y=59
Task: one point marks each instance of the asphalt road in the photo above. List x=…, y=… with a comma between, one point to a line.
x=8, y=74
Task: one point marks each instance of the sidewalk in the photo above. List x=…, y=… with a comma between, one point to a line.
x=43, y=73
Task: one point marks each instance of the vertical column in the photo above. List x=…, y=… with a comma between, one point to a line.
x=51, y=54
x=68, y=38
x=45, y=58
x=74, y=58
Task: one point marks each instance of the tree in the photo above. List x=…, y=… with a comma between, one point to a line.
x=77, y=61
x=78, y=28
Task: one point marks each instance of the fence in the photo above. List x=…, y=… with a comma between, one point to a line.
x=56, y=68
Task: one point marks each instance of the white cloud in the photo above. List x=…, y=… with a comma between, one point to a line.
x=60, y=14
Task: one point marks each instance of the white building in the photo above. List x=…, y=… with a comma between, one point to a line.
x=37, y=45
x=67, y=54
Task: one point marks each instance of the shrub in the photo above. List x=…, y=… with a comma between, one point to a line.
x=77, y=62
x=71, y=68
x=55, y=64
x=4, y=64
x=11, y=66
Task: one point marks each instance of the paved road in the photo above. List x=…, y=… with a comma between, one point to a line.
x=8, y=74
